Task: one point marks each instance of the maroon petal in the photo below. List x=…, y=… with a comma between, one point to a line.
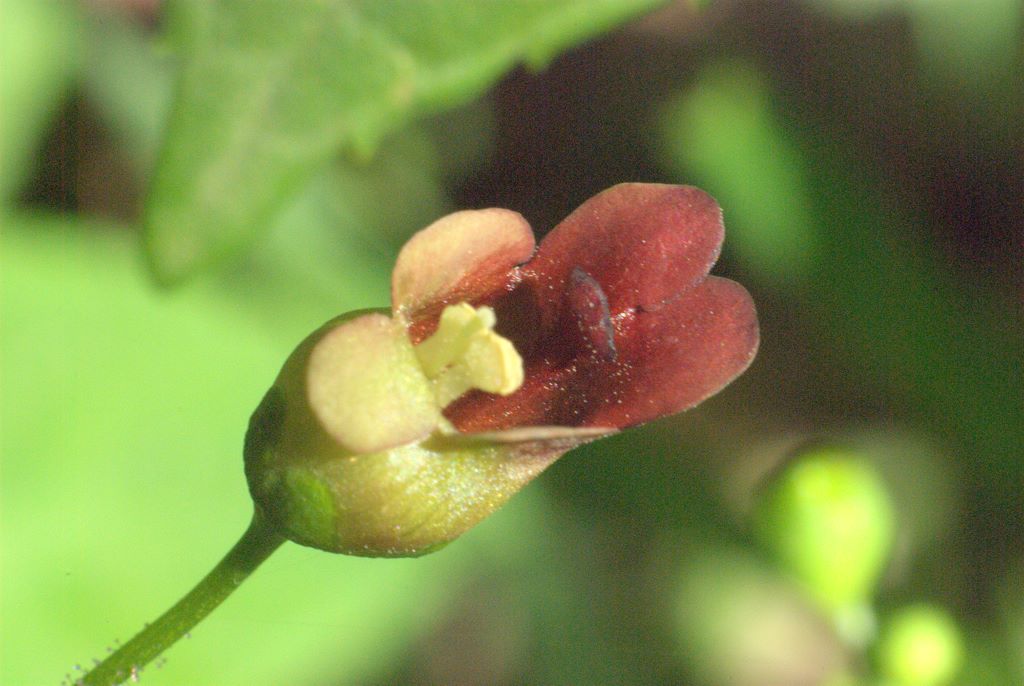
x=667, y=361
x=674, y=358
x=643, y=243
x=534, y=404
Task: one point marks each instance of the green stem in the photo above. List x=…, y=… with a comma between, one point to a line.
x=255, y=546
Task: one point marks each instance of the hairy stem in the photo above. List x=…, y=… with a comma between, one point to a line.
x=255, y=546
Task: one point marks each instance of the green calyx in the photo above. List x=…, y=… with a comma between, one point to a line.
x=402, y=502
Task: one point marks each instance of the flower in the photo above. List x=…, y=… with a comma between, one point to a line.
x=392, y=435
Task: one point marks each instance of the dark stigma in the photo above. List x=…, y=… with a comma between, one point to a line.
x=589, y=304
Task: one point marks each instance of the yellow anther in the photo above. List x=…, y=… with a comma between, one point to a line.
x=456, y=326
x=493, y=364
x=466, y=353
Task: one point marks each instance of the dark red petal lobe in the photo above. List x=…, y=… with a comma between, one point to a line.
x=643, y=243
x=667, y=361
x=675, y=357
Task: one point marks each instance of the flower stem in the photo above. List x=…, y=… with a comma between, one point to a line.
x=255, y=546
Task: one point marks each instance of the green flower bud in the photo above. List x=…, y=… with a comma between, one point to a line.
x=920, y=645
x=828, y=519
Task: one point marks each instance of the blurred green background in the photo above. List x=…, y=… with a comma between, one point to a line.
x=188, y=188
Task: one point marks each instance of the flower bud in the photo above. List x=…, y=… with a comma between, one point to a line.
x=920, y=645
x=827, y=518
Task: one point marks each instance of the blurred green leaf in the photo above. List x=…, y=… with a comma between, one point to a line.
x=975, y=45
x=1011, y=605
x=128, y=77
x=724, y=132
x=988, y=659
x=332, y=247
x=39, y=43
x=270, y=90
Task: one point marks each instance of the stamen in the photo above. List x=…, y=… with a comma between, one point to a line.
x=466, y=353
x=458, y=323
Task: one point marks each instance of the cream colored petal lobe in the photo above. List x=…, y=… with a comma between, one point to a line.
x=366, y=387
x=465, y=256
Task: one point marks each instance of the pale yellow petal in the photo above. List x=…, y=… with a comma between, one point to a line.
x=366, y=387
